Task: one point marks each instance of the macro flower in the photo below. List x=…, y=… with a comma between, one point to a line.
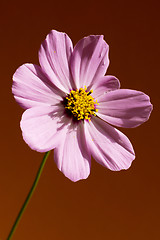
x=70, y=106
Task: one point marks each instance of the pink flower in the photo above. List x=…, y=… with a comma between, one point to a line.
x=70, y=105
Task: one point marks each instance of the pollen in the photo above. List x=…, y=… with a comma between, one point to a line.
x=81, y=104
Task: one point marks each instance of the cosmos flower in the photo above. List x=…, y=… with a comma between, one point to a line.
x=71, y=106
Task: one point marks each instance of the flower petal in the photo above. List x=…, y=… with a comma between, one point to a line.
x=124, y=107
x=89, y=60
x=71, y=155
x=43, y=127
x=54, y=56
x=105, y=84
x=31, y=88
x=108, y=146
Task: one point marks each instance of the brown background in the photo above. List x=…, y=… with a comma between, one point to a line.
x=108, y=205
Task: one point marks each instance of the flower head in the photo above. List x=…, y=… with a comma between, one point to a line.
x=70, y=104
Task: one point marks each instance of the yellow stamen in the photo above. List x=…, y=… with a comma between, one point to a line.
x=81, y=104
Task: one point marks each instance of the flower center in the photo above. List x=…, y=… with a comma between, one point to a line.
x=81, y=104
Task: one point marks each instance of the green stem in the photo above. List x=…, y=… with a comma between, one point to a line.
x=28, y=196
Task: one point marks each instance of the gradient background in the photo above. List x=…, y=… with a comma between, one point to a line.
x=108, y=205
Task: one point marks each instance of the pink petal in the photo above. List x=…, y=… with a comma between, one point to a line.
x=124, y=107
x=54, y=56
x=71, y=155
x=108, y=146
x=31, y=88
x=89, y=60
x=43, y=127
x=105, y=84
